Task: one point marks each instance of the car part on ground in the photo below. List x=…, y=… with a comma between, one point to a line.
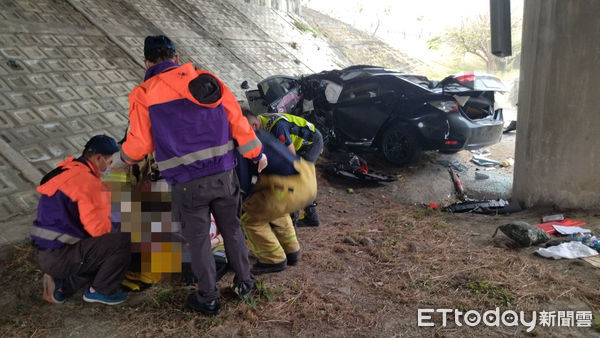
x=497, y=207
x=460, y=191
x=350, y=165
x=456, y=165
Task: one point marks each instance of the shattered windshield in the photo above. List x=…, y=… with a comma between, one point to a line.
x=275, y=88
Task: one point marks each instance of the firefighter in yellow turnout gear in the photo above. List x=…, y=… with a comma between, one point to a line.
x=286, y=185
x=272, y=242
x=301, y=138
x=293, y=131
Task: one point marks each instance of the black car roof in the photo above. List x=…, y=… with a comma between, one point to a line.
x=365, y=71
x=359, y=71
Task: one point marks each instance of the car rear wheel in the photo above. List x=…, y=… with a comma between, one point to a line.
x=400, y=145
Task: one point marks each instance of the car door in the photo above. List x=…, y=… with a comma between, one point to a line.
x=362, y=108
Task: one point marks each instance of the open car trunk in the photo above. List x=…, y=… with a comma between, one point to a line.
x=474, y=91
x=477, y=105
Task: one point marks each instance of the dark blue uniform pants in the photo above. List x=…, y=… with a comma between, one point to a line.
x=193, y=202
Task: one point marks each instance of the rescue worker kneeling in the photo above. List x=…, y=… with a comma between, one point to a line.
x=71, y=232
x=286, y=185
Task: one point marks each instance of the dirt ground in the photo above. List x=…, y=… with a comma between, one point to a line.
x=364, y=272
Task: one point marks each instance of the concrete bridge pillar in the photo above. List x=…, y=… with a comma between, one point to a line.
x=557, y=160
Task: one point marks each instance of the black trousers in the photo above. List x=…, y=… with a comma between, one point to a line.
x=101, y=261
x=192, y=203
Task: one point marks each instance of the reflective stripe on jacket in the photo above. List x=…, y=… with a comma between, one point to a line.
x=74, y=205
x=301, y=131
x=190, y=119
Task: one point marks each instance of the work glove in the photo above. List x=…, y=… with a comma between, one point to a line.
x=262, y=162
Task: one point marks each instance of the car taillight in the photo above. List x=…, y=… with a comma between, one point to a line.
x=467, y=77
x=445, y=106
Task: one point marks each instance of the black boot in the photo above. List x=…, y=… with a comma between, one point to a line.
x=293, y=258
x=243, y=290
x=210, y=308
x=260, y=268
x=311, y=218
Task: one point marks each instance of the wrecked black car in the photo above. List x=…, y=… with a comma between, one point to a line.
x=368, y=108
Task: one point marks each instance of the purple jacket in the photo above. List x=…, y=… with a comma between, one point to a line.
x=191, y=120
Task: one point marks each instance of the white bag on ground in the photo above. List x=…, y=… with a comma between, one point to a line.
x=569, y=250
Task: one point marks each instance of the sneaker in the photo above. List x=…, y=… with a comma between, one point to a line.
x=260, y=268
x=209, y=308
x=97, y=297
x=243, y=291
x=53, y=291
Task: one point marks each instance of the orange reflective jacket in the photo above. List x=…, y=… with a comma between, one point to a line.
x=190, y=119
x=74, y=204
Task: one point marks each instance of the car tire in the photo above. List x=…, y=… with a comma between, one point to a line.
x=400, y=145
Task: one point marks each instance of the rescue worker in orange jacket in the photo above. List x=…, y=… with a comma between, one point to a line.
x=193, y=123
x=72, y=229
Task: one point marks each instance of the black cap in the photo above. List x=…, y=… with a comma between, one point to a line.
x=153, y=42
x=102, y=144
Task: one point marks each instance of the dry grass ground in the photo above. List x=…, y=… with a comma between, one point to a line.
x=364, y=272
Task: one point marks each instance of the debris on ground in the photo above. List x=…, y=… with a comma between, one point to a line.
x=523, y=233
x=548, y=227
x=557, y=241
x=350, y=165
x=456, y=165
x=555, y=217
x=497, y=206
x=481, y=152
x=569, y=250
x=593, y=260
x=485, y=162
x=481, y=176
x=569, y=230
x=508, y=162
x=587, y=239
x=460, y=191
